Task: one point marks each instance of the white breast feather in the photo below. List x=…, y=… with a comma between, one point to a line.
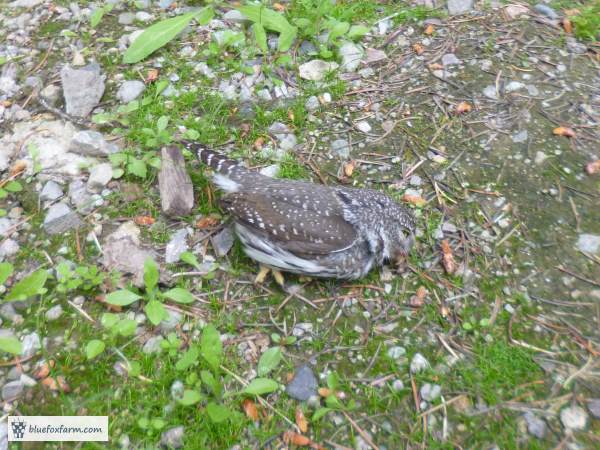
x=225, y=183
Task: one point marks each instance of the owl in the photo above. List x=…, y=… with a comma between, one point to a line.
x=306, y=228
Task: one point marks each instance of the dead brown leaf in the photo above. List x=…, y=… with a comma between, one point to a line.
x=418, y=300
x=571, y=12
x=250, y=409
x=144, y=220
x=56, y=384
x=291, y=115
x=301, y=420
x=207, y=222
x=593, y=167
x=567, y=25
x=435, y=66
x=290, y=437
x=564, y=131
x=43, y=370
x=416, y=200
x=245, y=130
x=429, y=30
x=349, y=167
x=448, y=258
x=463, y=107
x=258, y=143
x=18, y=167
x=325, y=392
x=418, y=48
x=278, y=7
x=151, y=76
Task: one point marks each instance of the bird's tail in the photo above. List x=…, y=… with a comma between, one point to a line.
x=220, y=163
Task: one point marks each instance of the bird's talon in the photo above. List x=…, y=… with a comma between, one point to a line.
x=262, y=275
x=279, y=278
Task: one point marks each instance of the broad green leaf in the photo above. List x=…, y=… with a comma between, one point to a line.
x=271, y=20
x=161, y=86
x=160, y=33
x=260, y=386
x=125, y=327
x=134, y=369
x=28, y=286
x=6, y=270
x=337, y=29
x=117, y=173
x=269, y=360
x=333, y=402
x=137, y=167
x=179, y=295
x=190, y=397
x=13, y=186
x=211, y=382
x=217, y=413
x=155, y=312
x=162, y=122
x=109, y=320
x=94, y=348
x=211, y=347
x=11, y=345
x=158, y=423
x=190, y=258
x=261, y=37
x=122, y=297
x=3, y=60
x=333, y=381
x=96, y=17
x=320, y=413
x=357, y=31
x=188, y=358
x=150, y=274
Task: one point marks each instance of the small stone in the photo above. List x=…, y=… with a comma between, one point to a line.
x=351, y=55
x=51, y=191
x=83, y=88
x=514, y=86
x=143, y=16
x=152, y=345
x=589, y=243
x=12, y=390
x=126, y=18
x=519, y=137
x=8, y=248
x=415, y=180
x=177, y=389
x=222, y=242
x=265, y=95
x=341, y=148
x=430, y=392
x=594, y=407
x=100, y=176
x=396, y=352
x=173, y=437
x=316, y=69
x=364, y=126
x=448, y=227
x=450, y=59
x=576, y=47
x=535, y=426
x=532, y=90
x=91, y=143
x=374, y=56
x=130, y=90
x=31, y=343
x=51, y=93
x=515, y=11
x=173, y=319
x=546, y=11
x=176, y=246
x=61, y=218
x=490, y=92
x=457, y=7
x=540, y=157
x=418, y=363
x=54, y=313
x=574, y=418
x=397, y=385
x=303, y=385
x=235, y=16
x=312, y=103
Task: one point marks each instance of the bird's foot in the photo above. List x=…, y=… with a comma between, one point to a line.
x=304, y=279
x=262, y=275
x=278, y=277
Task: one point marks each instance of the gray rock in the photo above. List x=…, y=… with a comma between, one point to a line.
x=143, y=16
x=60, y=218
x=173, y=319
x=341, y=148
x=396, y=352
x=100, y=175
x=130, y=90
x=288, y=142
x=235, y=16
x=450, y=59
x=279, y=128
x=51, y=93
x=546, y=11
x=164, y=4
x=415, y=180
x=54, y=313
x=594, y=407
x=31, y=344
x=265, y=95
x=12, y=390
x=574, y=417
x=514, y=86
x=223, y=241
x=177, y=389
x=418, y=363
x=173, y=437
x=25, y=3
x=519, y=137
x=126, y=18
x=152, y=345
x=122, y=252
x=316, y=69
x=91, y=143
x=490, y=92
x=397, y=385
x=312, y=103
x=448, y=227
x=576, y=47
x=80, y=197
x=176, y=246
x=83, y=88
x=532, y=90
x=303, y=385
x=4, y=435
x=5, y=226
x=363, y=126
x=535, y=426
x=7, y=311
x=8, y=248
x=430, y=392
x=51, y=191
x=540, y=157
x=457, y=7
x=203, y=68
x=351, y=55
x=589, y=243
x=8, y=83
x=307, y=48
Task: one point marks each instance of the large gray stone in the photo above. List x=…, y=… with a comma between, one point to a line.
x=589, y=243
x=83, y=88
x=51, y=191
x=457, y=7
x=351, y=55
x=61, y=218
x=304, y=384
x=100, y=175
x=12, y=390
x=130, y=90
x=91, y=143
x=316, y=69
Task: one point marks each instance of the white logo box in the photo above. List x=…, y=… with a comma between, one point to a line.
x=58, y=428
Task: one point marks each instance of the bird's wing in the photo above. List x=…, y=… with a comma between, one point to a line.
x=302, y=231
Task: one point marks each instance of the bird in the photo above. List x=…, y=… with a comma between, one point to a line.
x=309, y=229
